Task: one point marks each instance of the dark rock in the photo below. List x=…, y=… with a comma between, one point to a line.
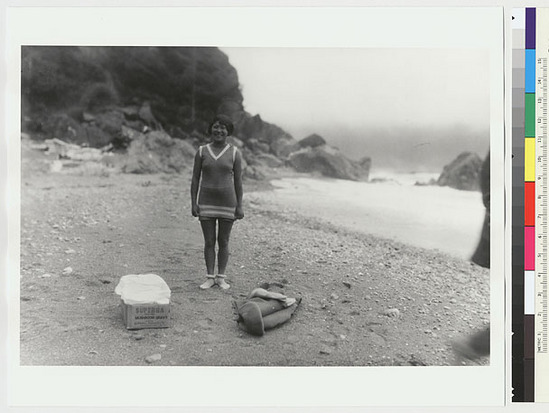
x=135, y=124
x=87, y=117
x=366, y=163
x=158, y=152
x=248, y=128
x=230, y=107
x=130, y=112
x=462, y=173
x=235, y=141
x=284, y=146
x=326, y=160
x=94, y=136
x=258, y=147
x=110, y=121
x=146, y=115
x=431, y=182
x=254, y=172
x=269, y=160
x=312, y=141
x=130, y=133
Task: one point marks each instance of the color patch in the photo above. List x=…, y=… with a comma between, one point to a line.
x=530, y=71
x=529, y=291
x=530, y=115
x=530, y=40
x=529, y=248
x=529, y=204
x=530, y=159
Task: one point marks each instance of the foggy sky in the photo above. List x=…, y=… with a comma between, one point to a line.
x=413, y=108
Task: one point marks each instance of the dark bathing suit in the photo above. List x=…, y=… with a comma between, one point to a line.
x=217, y=195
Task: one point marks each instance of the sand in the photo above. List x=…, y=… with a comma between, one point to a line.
x=366, y=300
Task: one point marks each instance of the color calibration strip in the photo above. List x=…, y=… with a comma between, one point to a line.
x=529, y=198
x=518, y=200
x=539, y=295
x=530, y=364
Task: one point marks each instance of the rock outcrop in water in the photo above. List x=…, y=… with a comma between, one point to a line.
x=462, y=173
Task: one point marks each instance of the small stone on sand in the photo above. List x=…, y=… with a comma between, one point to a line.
x=392, y=312
x=153, y=358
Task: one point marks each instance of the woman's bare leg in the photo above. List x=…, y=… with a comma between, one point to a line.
x=208, y=229
x=223, y=236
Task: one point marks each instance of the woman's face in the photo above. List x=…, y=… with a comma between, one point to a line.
x=219, y=132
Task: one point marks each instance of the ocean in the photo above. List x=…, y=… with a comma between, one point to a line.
x=431, y=217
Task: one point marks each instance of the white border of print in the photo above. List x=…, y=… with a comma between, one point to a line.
x=258, y=27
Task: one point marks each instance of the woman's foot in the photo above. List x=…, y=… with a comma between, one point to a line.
x=220, y=280
x=210, y=282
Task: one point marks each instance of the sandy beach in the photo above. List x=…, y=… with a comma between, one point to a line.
x=81, y=232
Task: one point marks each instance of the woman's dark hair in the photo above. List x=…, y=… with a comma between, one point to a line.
x=223, y=120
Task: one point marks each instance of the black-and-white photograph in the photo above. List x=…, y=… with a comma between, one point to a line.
x=199, y=206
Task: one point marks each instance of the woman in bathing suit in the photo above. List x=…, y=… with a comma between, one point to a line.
x=216, y=197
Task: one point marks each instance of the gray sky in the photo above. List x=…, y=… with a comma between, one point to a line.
x=355, y=96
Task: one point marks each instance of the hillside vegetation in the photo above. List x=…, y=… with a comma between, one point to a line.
x=113, y=96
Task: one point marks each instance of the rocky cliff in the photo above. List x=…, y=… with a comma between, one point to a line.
x=115, y=96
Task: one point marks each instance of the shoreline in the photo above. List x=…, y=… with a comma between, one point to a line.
x=437, y=218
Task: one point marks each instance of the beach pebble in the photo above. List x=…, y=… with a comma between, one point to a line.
x=93, y=352
x=81, y=298
x=138, y=337
x=346, y=284
x=70, y=251
x=392, y=312
x=334, y=296
x=67, y=271
x=45, y=276
x=152, y=358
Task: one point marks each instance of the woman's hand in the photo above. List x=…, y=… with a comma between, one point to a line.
x=195, y=210
x=239, y=212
